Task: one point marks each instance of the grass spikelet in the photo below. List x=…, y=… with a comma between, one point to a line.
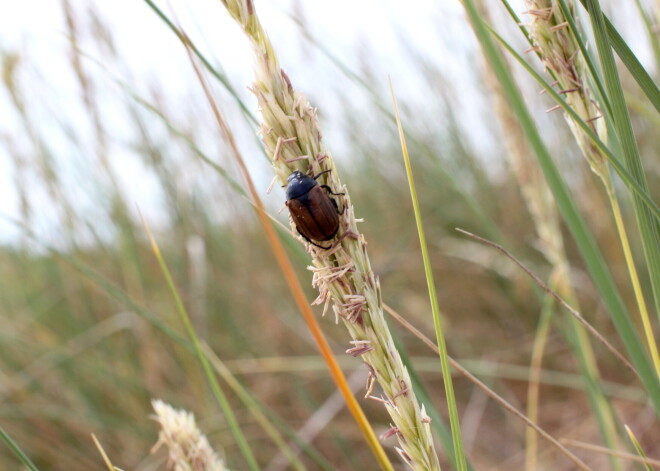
x=188, y=447
x=560, y=53
x=342, y=274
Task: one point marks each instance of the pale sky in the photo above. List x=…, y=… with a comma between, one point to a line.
x=150, y=54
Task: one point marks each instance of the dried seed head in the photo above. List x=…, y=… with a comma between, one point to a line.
x=188, y=448
x=558, y=48
x=342, y=274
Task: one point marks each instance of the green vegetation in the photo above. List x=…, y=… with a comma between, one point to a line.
x=98, y=322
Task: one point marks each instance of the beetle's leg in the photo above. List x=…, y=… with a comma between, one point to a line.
x=311, y=241
x=329, y=190
x=334, y=203
x=350, y=234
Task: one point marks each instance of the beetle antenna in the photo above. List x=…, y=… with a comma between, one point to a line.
x=324, y=171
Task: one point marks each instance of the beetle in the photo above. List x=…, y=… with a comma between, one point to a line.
x=313, y=211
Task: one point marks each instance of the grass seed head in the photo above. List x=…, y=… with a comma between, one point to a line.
x=188, y=447
x=557, y=46
x=343, y=274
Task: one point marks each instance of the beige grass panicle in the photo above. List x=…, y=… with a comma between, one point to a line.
x=188, y=448
x=342, y=274
x=560, y=53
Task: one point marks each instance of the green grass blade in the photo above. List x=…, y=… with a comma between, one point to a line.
x=17, y=450
x=650, y=30
x=638, y=447
x=214, y=72
x=577, y=226
x=459, y=452
x=437, y=422
x=649, y=228
x=117, y=293
x=255, y=408
x=206, y=366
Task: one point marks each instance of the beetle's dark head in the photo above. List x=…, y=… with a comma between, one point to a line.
x=298, y=185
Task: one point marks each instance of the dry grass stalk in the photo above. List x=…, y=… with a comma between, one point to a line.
x=343, y=274
x=189, y=450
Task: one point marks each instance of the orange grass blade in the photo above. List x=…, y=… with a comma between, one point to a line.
x=295, y=286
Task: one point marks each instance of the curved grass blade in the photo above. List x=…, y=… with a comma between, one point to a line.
x=214, y=72
x=638, y=447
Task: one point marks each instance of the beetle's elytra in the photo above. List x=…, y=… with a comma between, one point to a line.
x=314, y=212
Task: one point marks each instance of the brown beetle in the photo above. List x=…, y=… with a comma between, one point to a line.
x=314, y=212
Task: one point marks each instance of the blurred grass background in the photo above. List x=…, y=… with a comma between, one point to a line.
x=87, y=319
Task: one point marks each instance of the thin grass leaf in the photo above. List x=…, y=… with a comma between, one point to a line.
x=649, y=228
x=576, y=224
x=576, y=315
x=610, y=452
x=208, y=371
x=634, y=278
x=650, y=30
x=17, y=450
x=638, y=447
x=437, y=422
x=214, y=72
x=255, y=408
x=459, y=452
